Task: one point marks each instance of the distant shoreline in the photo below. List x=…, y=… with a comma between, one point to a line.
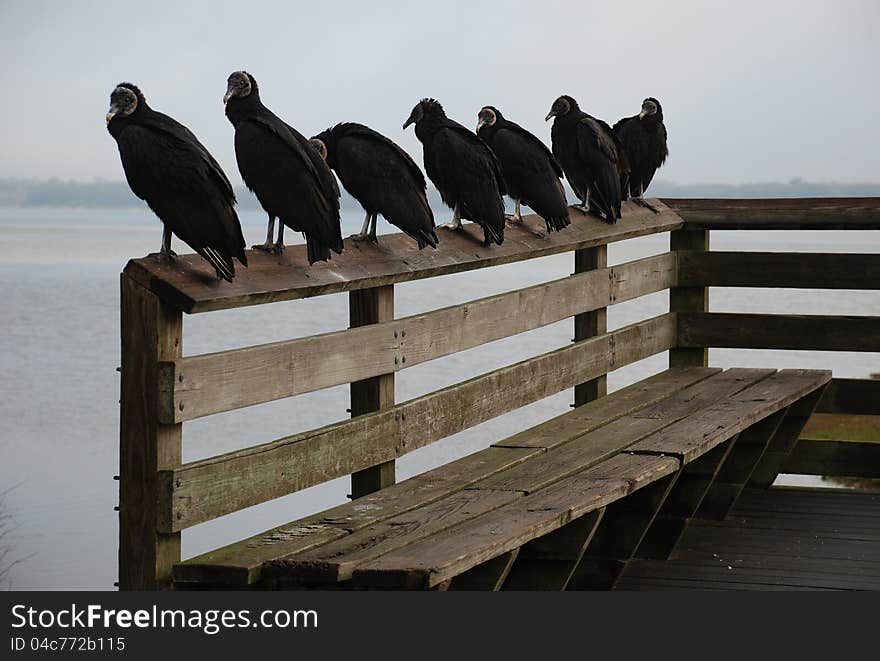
x=102, y=193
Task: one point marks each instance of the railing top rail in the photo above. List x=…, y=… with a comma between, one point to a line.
x=189, y=283
x=806, y=213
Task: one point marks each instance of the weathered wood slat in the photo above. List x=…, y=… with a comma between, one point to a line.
x=598, y=445
x=774, y=269
x=595, y=322
x=779, y=331
x=203, y=490
x=843, y=458
x=846, y=213
x=335, y=561
x=189, y=284
x=195, y=386
x=435, y=559
x=241, y=563
x=688, y=299
x=699, y=433
x=375, y=393
x=851, y=396
x=150, y=332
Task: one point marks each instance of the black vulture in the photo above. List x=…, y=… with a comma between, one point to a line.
x=643, y=139
x=168, y=167
x=290, y=179
x=464, y=169
x=382, y=177
x=531, y=172
x=586, y=149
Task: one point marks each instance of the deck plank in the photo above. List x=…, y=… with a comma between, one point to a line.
x=758, y=548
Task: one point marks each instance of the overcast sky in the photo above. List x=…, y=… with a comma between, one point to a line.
x=752, y=91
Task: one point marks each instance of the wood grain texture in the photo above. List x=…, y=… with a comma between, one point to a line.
x=692, y=299
x=151, y=332
x=335, y=561
x=435, y=559
x=189, y=285
x=195, y=386
x=241, y=563
x=779, y=331
x=843, y=213
x=710, y=426
x=375, y=393
x=595, y=321
x=776, y=269
x=203, y=490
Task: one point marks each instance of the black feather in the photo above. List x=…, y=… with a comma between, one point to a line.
x=382, y=177
x=530, y=170
x=290, y=179
x=168, y=167
x=463, y=168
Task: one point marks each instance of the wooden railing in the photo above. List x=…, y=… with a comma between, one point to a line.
x=161, y=388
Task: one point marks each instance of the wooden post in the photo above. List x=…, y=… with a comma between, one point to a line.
x=372, y=306
x=150, y=332
x=590, y=324
x=689, y=299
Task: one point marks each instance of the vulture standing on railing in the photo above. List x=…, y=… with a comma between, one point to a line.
x=643, y=138
x=586, y=149
x=289, y=178
x=464, y=169
x=167, y=167
x=382, y=177
x=531, y=172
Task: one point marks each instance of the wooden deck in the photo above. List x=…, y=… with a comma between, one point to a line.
x=774, y=539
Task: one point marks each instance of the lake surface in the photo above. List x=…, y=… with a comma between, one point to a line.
x=59, y=349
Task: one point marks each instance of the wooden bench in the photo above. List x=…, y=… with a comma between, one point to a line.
x=565, y=504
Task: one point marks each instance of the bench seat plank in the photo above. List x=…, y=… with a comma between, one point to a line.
x=699, y=433
x=438, y=558
x=241, y=563
x=335, y=561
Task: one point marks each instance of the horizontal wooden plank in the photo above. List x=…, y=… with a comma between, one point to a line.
x=189, y=283
x=777, y=269
x=241, y=563
x=195, y=386
x=778, y=331
x=699, y=433
x=842, y=458
x=203, y=490
x=853, y=396
x=640, y=398
x=335, y=561
x=598, y=445
x=440, y=557
x=806, y=213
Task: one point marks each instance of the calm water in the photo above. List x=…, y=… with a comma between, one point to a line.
x=59, y=348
